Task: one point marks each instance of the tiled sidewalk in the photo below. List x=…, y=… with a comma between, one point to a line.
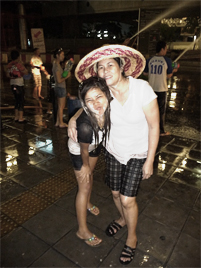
x=38, y=190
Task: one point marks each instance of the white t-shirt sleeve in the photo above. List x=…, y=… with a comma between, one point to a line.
x=146, y=93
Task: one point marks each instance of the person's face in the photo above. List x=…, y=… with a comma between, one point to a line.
x=37, y=52
x=110, y=71
x=61, y=56
x=96, y=101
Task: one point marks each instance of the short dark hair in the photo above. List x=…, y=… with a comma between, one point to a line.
x=35, y=49
x=160, y=44
x=14, y=54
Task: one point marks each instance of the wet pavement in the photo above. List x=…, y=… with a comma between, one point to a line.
x=38, y=188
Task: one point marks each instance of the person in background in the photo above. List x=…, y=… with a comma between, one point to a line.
x=93, y=127
x=134, y=134
x=15, y=71
x=159, y=69
x=60, y=86
x=36, y=67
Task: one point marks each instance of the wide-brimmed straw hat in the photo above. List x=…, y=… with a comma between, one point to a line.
x=133, y=61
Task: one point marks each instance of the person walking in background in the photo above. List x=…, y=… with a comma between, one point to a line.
x=15, y=71
x=159, y=69
x=36, y=67
x=131, y=146
x=60, y=86
x=93, y=127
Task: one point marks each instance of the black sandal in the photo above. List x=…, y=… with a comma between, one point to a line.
x=110, y=231
x=128, y=253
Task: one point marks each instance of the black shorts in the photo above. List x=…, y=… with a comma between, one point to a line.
x=123, y=178
x=77, y=159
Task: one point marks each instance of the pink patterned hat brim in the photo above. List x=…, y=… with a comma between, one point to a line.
x=134, y=62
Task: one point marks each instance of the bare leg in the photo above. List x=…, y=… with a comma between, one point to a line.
x=84, y=190
x=39, y=93
x=117, y=201
x=61, y=106
x=16, y=114
x=35, y=92
x=21, y=116
x=93, y=161
x=130, y=211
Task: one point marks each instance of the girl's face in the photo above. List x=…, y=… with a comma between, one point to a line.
x=110, y=71
x=61, y=56
x=96, y=101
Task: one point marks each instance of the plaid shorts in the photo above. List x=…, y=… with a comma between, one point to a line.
x=123, y=178
x=37, y=80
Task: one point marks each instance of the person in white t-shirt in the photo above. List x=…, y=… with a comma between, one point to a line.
x=37, y=66
x=131, y=146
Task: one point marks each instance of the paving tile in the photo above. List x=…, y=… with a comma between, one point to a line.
x=31, y=177
x=39, y=142
x=166, y=212
x=192, y=226
x=54, y=165
x=22, y=137
x=192, y=165
x=108, y=213
x=7, y=224
x=197, y=146
x=35, y=156
x=194, y=154
x=186, y=177
x=13, y=166
x=168, y=158
x=54, y=149
x=101, y=188
x=6, y=142
x=67, y=201
x=186, y=252
x=179, y=193
x=10, y=189
x=197, y=206
x=9, y=132
x=141, y=259
x=20, y=248
x=163, y=169
x=18, y=149
x=52, y=258
x=177, y=150
x=81, y=254
x=183, y=142
x=51, y=224
x=154, y=238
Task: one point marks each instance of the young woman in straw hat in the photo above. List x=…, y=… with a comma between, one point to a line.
x=131, y=146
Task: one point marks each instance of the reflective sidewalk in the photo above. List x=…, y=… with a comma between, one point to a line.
x=38, y=189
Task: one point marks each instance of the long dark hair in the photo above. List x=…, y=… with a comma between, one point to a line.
x=85, y=86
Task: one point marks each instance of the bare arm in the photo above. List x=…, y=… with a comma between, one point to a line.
x=72, y=132
x=152, y=116
x=85, y=172
x=61, y=79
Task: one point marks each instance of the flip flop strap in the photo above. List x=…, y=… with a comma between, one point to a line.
x=92, y=208
x=128, y=250
x=116, y=225
x=94, y=237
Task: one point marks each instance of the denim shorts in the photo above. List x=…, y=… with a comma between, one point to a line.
x=77, y=159
x=60, y=92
